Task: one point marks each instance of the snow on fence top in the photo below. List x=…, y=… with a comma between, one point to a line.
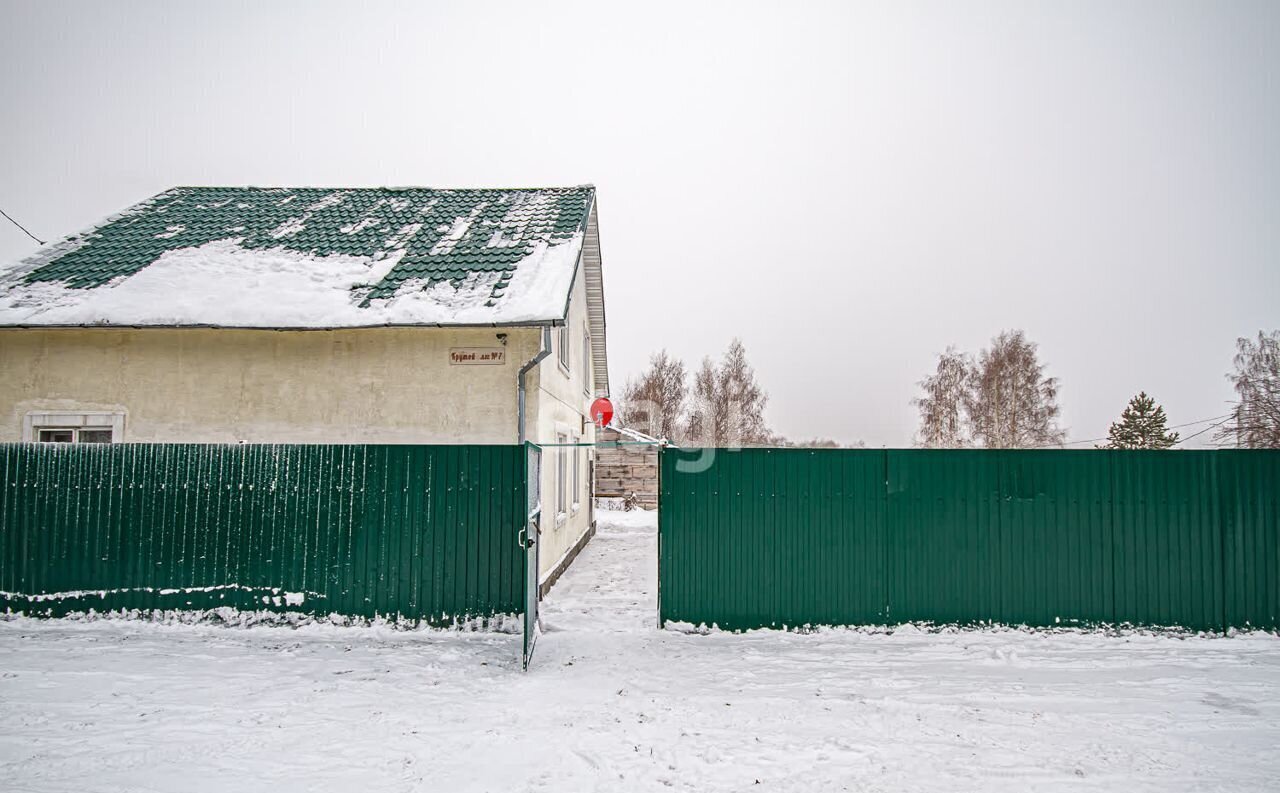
x=311, y=258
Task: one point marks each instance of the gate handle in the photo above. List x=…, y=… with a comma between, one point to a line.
x=523, y=538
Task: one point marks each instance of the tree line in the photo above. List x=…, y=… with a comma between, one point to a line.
x=724, y=406
x=999, y=398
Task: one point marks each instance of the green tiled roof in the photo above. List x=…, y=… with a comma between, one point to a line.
x=446, y=235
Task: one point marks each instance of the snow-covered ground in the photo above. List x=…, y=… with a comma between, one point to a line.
x=614, y=704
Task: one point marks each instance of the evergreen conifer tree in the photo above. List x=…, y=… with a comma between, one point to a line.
x=1141, y=426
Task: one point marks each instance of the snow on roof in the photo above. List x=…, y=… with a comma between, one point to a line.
x=311, y=258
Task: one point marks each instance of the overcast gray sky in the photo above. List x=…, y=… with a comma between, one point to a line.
x=849, y=188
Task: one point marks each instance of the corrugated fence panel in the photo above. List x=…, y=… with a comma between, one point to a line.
x=1016, y=537
x=415, y=532
x=773, y=537
x=1168, y=539
x=1250, y=510
x=1055, y=529
x=944, y=563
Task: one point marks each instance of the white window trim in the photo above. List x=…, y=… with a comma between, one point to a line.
x=562, y=343
x=575, y=500
x=562, y=486
x=72, y=419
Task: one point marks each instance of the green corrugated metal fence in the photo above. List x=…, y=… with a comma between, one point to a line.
x=416, y=532
x=789, y=537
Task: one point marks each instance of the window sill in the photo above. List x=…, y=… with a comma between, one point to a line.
x=560, y=519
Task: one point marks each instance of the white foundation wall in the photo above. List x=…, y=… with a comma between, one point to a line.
x=200, y=385
x=559, y=400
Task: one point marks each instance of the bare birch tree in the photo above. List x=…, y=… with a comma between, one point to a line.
x=739, y=387
x=702, y=422
x=943, y=402
x=654, y=403
x=1011, y=404
x=727, y=404
x=1255, y=418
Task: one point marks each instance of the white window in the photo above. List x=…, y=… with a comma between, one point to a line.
x=586, y=361
x=564, y=348
x=577, y=477
x=562, y=478
x=66, y=427
x=73, y=435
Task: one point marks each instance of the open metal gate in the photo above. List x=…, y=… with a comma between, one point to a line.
x=529, y=542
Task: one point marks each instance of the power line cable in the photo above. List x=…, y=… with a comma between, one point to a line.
x=19, y=225
x=575, y=408
x=1174, y=427
x=1203, y=431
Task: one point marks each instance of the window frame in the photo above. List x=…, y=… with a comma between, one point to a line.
x=563, y=349
x=562, y=474
x=36, y=421
x=75, y=434
x=575, y=503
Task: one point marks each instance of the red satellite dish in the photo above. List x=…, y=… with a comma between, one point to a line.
x=602, y=412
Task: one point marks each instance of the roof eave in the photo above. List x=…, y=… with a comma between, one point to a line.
x=592, y=263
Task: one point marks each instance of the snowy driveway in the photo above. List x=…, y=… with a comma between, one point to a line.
x=613, y=704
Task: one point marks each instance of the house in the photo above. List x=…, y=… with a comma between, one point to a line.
x=282, y=315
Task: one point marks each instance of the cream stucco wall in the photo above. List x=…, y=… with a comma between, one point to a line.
x=374, y=385
x=559, y=403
